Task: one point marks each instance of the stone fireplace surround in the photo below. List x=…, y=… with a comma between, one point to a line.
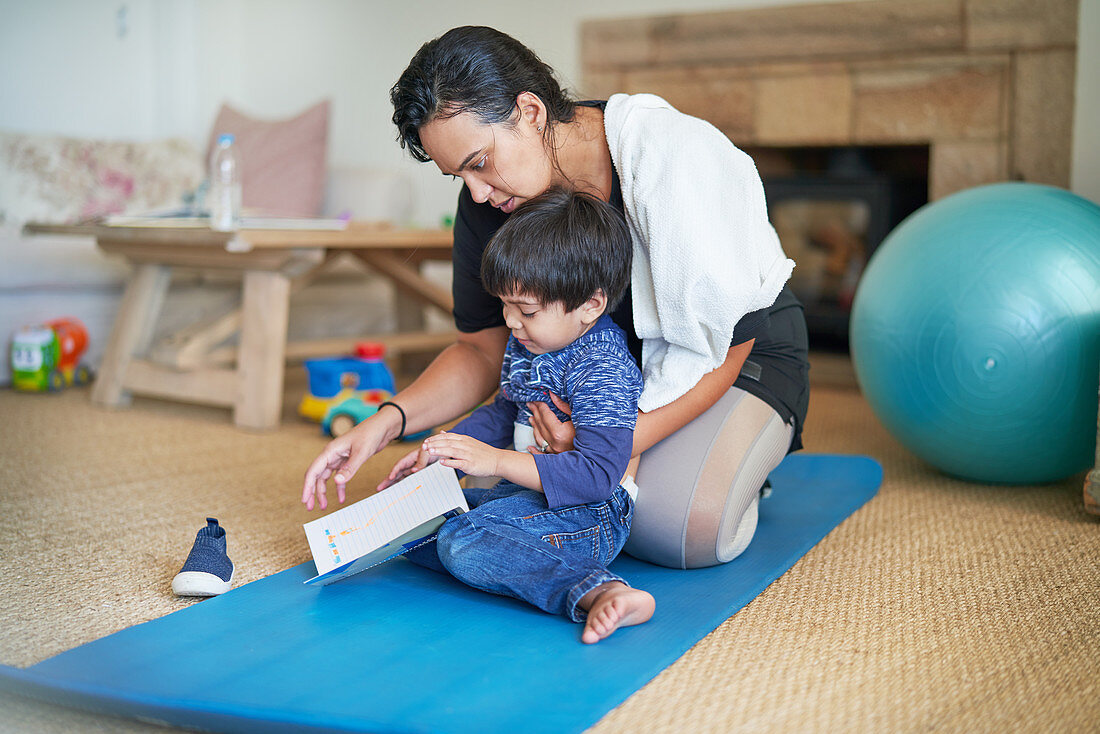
x=986, y=84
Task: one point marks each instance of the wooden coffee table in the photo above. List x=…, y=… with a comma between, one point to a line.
x=191, y=366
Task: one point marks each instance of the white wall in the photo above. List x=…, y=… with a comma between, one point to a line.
x=67, y=68
x=294, y=52
x=147, y=68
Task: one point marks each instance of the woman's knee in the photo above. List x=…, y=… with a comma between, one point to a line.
x=703, y=482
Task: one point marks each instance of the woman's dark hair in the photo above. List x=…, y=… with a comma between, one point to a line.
x=472, y=69
x=560, y=246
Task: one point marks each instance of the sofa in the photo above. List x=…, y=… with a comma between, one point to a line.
x=55, y=179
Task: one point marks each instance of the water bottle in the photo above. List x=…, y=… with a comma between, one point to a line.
x=225, y=186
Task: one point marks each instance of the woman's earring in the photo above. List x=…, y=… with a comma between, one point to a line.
x=540, y=128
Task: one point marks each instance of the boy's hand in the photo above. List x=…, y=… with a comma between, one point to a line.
x=403, y=468
x=410, y=463
x=464, y=453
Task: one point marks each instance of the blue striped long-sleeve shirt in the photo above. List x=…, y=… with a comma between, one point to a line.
x=598, y=377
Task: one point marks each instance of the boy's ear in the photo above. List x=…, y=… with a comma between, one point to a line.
x=594, y=307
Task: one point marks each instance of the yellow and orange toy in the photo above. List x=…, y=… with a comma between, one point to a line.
x=46, y=357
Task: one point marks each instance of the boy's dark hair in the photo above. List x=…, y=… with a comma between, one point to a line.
x=560, y=246
x=472, y=69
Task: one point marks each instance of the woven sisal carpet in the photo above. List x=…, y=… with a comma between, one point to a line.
x=939, y=605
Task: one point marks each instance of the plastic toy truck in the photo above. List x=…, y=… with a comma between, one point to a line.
x=46, y=357
x=363, y=378
x=344, y=391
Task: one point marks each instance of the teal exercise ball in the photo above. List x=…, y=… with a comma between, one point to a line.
x=975, y=333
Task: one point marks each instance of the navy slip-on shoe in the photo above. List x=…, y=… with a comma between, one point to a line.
x=207, y=570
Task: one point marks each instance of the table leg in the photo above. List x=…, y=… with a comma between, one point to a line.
x=412, y=291
x=407, y=276
x=264, y=315
x=132, y=331
x=409, y=315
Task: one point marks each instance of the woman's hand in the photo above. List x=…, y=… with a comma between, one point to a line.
x=343, y=456
x=548, y=429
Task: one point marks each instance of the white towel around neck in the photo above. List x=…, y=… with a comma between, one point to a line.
x=705, y=253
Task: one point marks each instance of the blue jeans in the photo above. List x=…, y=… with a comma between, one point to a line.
x=511, y=543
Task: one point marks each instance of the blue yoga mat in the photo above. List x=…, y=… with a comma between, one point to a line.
x=403, y=649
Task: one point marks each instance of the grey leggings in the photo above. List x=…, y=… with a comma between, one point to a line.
x=698, y=489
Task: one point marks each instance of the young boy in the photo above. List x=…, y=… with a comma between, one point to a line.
x=546, y=532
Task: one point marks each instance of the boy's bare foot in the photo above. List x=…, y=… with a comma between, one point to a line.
x=614, y=605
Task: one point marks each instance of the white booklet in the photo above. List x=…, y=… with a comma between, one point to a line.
x=384, y=525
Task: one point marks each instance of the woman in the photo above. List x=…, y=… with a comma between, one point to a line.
x=720, y=338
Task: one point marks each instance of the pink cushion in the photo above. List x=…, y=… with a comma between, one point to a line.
x=282, y=161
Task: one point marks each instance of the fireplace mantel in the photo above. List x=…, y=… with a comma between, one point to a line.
x=987, y=84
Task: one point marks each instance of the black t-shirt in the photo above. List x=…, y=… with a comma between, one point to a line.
x=777, y=370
